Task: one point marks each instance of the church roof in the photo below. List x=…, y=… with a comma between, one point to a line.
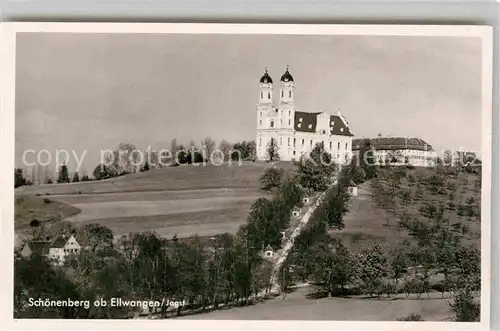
x=392, y=143
x=306, y=122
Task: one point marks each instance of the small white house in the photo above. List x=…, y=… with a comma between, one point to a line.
x=268, y=252
x=353, y=189
x=295, y=213
x=62, y=247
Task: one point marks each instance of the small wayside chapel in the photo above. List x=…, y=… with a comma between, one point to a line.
x=294, y=132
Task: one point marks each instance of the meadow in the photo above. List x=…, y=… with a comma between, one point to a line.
x=182, y=200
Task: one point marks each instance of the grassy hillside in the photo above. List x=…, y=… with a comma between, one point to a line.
x=45, y=210
x=183, y=200
x=169, y=178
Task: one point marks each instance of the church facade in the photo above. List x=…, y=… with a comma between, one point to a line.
x=293, y=133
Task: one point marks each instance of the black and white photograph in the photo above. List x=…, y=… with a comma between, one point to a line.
x=219, y=173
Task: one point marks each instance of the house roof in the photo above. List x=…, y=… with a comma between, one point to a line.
x=306, y=122
x=352, y=183
x=40, y=247
x=392, y=143
x=59, y=242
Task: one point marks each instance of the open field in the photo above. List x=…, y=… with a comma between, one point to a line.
x=297, y=306
x=184, y=200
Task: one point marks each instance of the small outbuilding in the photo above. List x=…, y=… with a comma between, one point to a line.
x=268, y=252
x=353, y=189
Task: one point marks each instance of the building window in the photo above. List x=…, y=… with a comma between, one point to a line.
x=289, y=94
x=260, y=141
x=261, y=95
x=293, y=152
x=346, y=146
x=289, y=113
x=282, y=93
x=272, y=124
x=289, y=122
x=338, y=156
x=288, y=141
x=330, y=145
x=302, y=142
x=269, y=95
x=322, y=144
x=294, y=144
x=311, y=143
x=281, y=141
x=338, y=146
x=260, y=114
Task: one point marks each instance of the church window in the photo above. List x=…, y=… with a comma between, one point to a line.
x=289, y=122
x=311, y=143
x=330, y=145
x=289, y=113
x=269, y=95
x=294, y=143
x=288, y=141
x=289, y=94
x=281, y=121
x=323, y=144
x=261, y=95
x=260, y=141
x=260, y=114
x=338, y=156
x=260, y=122
x=323, y=132
x=293, y=152
x=281, y=141
x=338, y=145
x=346, y=146
x=272, y=124
x=282, y=93
x=302, y=142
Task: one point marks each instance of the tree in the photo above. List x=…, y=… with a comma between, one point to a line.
x=103, y=172
x=208, y=145
x=447, y=158
x=272, y=150
x=271, y=178
x=332, y=209
x=464, y=307
x=316, y=171
x=291, y=192
x=224, y=148
x=63, y=174
x=76, y=177
x=373, y=269
x=145, y=166
x=19, y=179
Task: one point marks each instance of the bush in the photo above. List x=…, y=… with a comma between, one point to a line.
x=464, y=307
x=411, y=317
x=271, y=178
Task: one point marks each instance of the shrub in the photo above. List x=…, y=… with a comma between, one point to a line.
x=271, y=178
x=464, y=307
x=411, y=317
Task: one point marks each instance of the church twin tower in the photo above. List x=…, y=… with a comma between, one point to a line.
x=275, y=121
x=294, y=133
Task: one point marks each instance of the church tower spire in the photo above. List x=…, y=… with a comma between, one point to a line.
x=266, y=88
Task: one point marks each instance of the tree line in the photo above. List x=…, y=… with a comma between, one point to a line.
x=207, y=273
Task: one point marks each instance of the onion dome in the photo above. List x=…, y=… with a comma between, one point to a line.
x=286, y=76
x=266, y=79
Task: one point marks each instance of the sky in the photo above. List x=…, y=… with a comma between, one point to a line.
x=90, y=92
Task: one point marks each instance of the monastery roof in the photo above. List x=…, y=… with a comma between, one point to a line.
x=392, y=143
x=306, y=122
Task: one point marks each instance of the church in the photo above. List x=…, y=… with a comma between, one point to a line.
x=294, y=132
